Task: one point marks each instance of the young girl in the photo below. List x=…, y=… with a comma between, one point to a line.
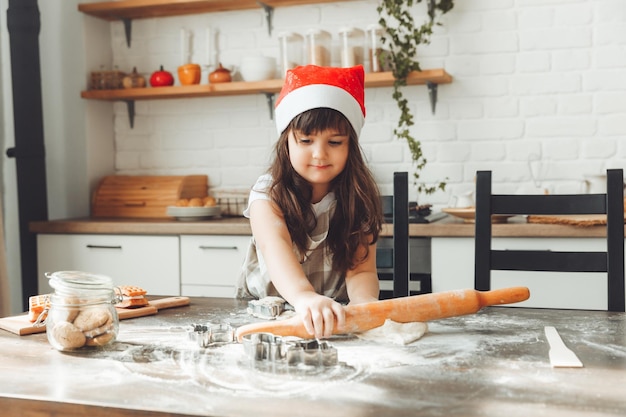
x=316, y=215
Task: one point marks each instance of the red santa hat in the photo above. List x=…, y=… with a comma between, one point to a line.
x=310, y=87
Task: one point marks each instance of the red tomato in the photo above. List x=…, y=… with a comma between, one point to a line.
x=161, y=78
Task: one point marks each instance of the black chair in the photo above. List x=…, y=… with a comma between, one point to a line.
x=611, y=261
x=403, y=273
x=400, y=234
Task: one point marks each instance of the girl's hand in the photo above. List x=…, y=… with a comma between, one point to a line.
x=320, y=315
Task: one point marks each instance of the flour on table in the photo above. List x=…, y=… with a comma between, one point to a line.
x=396, y=333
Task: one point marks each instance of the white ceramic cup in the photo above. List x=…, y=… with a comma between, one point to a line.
x=463, y=200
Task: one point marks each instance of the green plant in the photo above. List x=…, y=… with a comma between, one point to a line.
x=400, y=38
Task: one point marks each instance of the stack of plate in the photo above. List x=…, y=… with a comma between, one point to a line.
x=193, y=213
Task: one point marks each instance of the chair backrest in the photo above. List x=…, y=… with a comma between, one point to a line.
x=400, y=234
x=611, y=261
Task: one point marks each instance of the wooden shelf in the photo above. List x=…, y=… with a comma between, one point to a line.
x=140, y=9
x=381, y=79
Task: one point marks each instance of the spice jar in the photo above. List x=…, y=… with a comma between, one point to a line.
x=318, y=47
x=291, y=45
x=82, y=311
x=352, y=46
x=374, y=46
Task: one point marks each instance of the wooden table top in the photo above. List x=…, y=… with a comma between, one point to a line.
x=446, y=227
x=493, y=363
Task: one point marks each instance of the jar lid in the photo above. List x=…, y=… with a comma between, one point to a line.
x=350, y=29
x=317, y=32
x=289, y=35
x=79, y=280
x=374, y=26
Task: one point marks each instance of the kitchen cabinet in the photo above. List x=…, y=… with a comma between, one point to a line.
x=453, y=268
x=151, y=262
x=210, y=265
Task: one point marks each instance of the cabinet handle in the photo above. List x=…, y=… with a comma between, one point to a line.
x=104, y=247
x=218, y=247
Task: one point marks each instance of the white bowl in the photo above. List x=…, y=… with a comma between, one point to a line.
x=258, y=68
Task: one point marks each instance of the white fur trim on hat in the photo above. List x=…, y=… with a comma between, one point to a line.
x=316, y=96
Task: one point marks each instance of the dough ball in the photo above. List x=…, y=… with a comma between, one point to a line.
x=396, y=333
x=183, y=202
x=196, y=202
x=67, y=335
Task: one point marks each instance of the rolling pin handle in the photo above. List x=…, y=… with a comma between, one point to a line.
x=503, y=296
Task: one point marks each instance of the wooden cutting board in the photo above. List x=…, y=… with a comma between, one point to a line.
x=20, y=325
x=573, y=219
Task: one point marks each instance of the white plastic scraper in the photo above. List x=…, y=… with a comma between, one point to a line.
x=560, y=355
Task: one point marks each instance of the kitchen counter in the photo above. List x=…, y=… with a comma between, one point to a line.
x=447, y=227
x=493, y=363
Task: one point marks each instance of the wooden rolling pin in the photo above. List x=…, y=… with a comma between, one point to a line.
x=424, y=307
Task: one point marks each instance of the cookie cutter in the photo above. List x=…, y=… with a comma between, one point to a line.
x=270, y=349
x=266, y=308
x=210, y=334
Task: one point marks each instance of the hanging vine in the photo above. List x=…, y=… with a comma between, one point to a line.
x=401, y=36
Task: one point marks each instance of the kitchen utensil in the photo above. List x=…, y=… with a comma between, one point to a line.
x=560, y=355
x=20, y=325
x=464, y=200
x=220, y=75
x=189, y=74
x=134, y=80
x=424, y=307
x=468, y=214
x=258, y=68
x=210, y=334
x=193, y=213
x=266, y=348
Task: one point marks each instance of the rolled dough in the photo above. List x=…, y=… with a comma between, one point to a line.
x=396, y=333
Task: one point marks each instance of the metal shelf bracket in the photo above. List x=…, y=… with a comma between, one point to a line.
x=130, y=108
x=269, y=13
x=128, y=28
x=432, y=94
x=270, y=104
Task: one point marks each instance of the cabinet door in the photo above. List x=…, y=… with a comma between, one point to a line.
x=151, y=262
x=210, y=265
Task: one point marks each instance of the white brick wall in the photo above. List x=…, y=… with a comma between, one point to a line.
x=533, y=79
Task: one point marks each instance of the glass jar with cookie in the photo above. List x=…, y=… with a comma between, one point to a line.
x=82, y=311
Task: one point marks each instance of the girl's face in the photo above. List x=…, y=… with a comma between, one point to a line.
x=318, y=158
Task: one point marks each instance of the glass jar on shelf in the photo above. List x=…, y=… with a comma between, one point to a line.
x=375, y=48
x=291, y=46
x=352, y=42
x=318, y=44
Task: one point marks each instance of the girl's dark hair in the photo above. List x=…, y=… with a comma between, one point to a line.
x=358, y=214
